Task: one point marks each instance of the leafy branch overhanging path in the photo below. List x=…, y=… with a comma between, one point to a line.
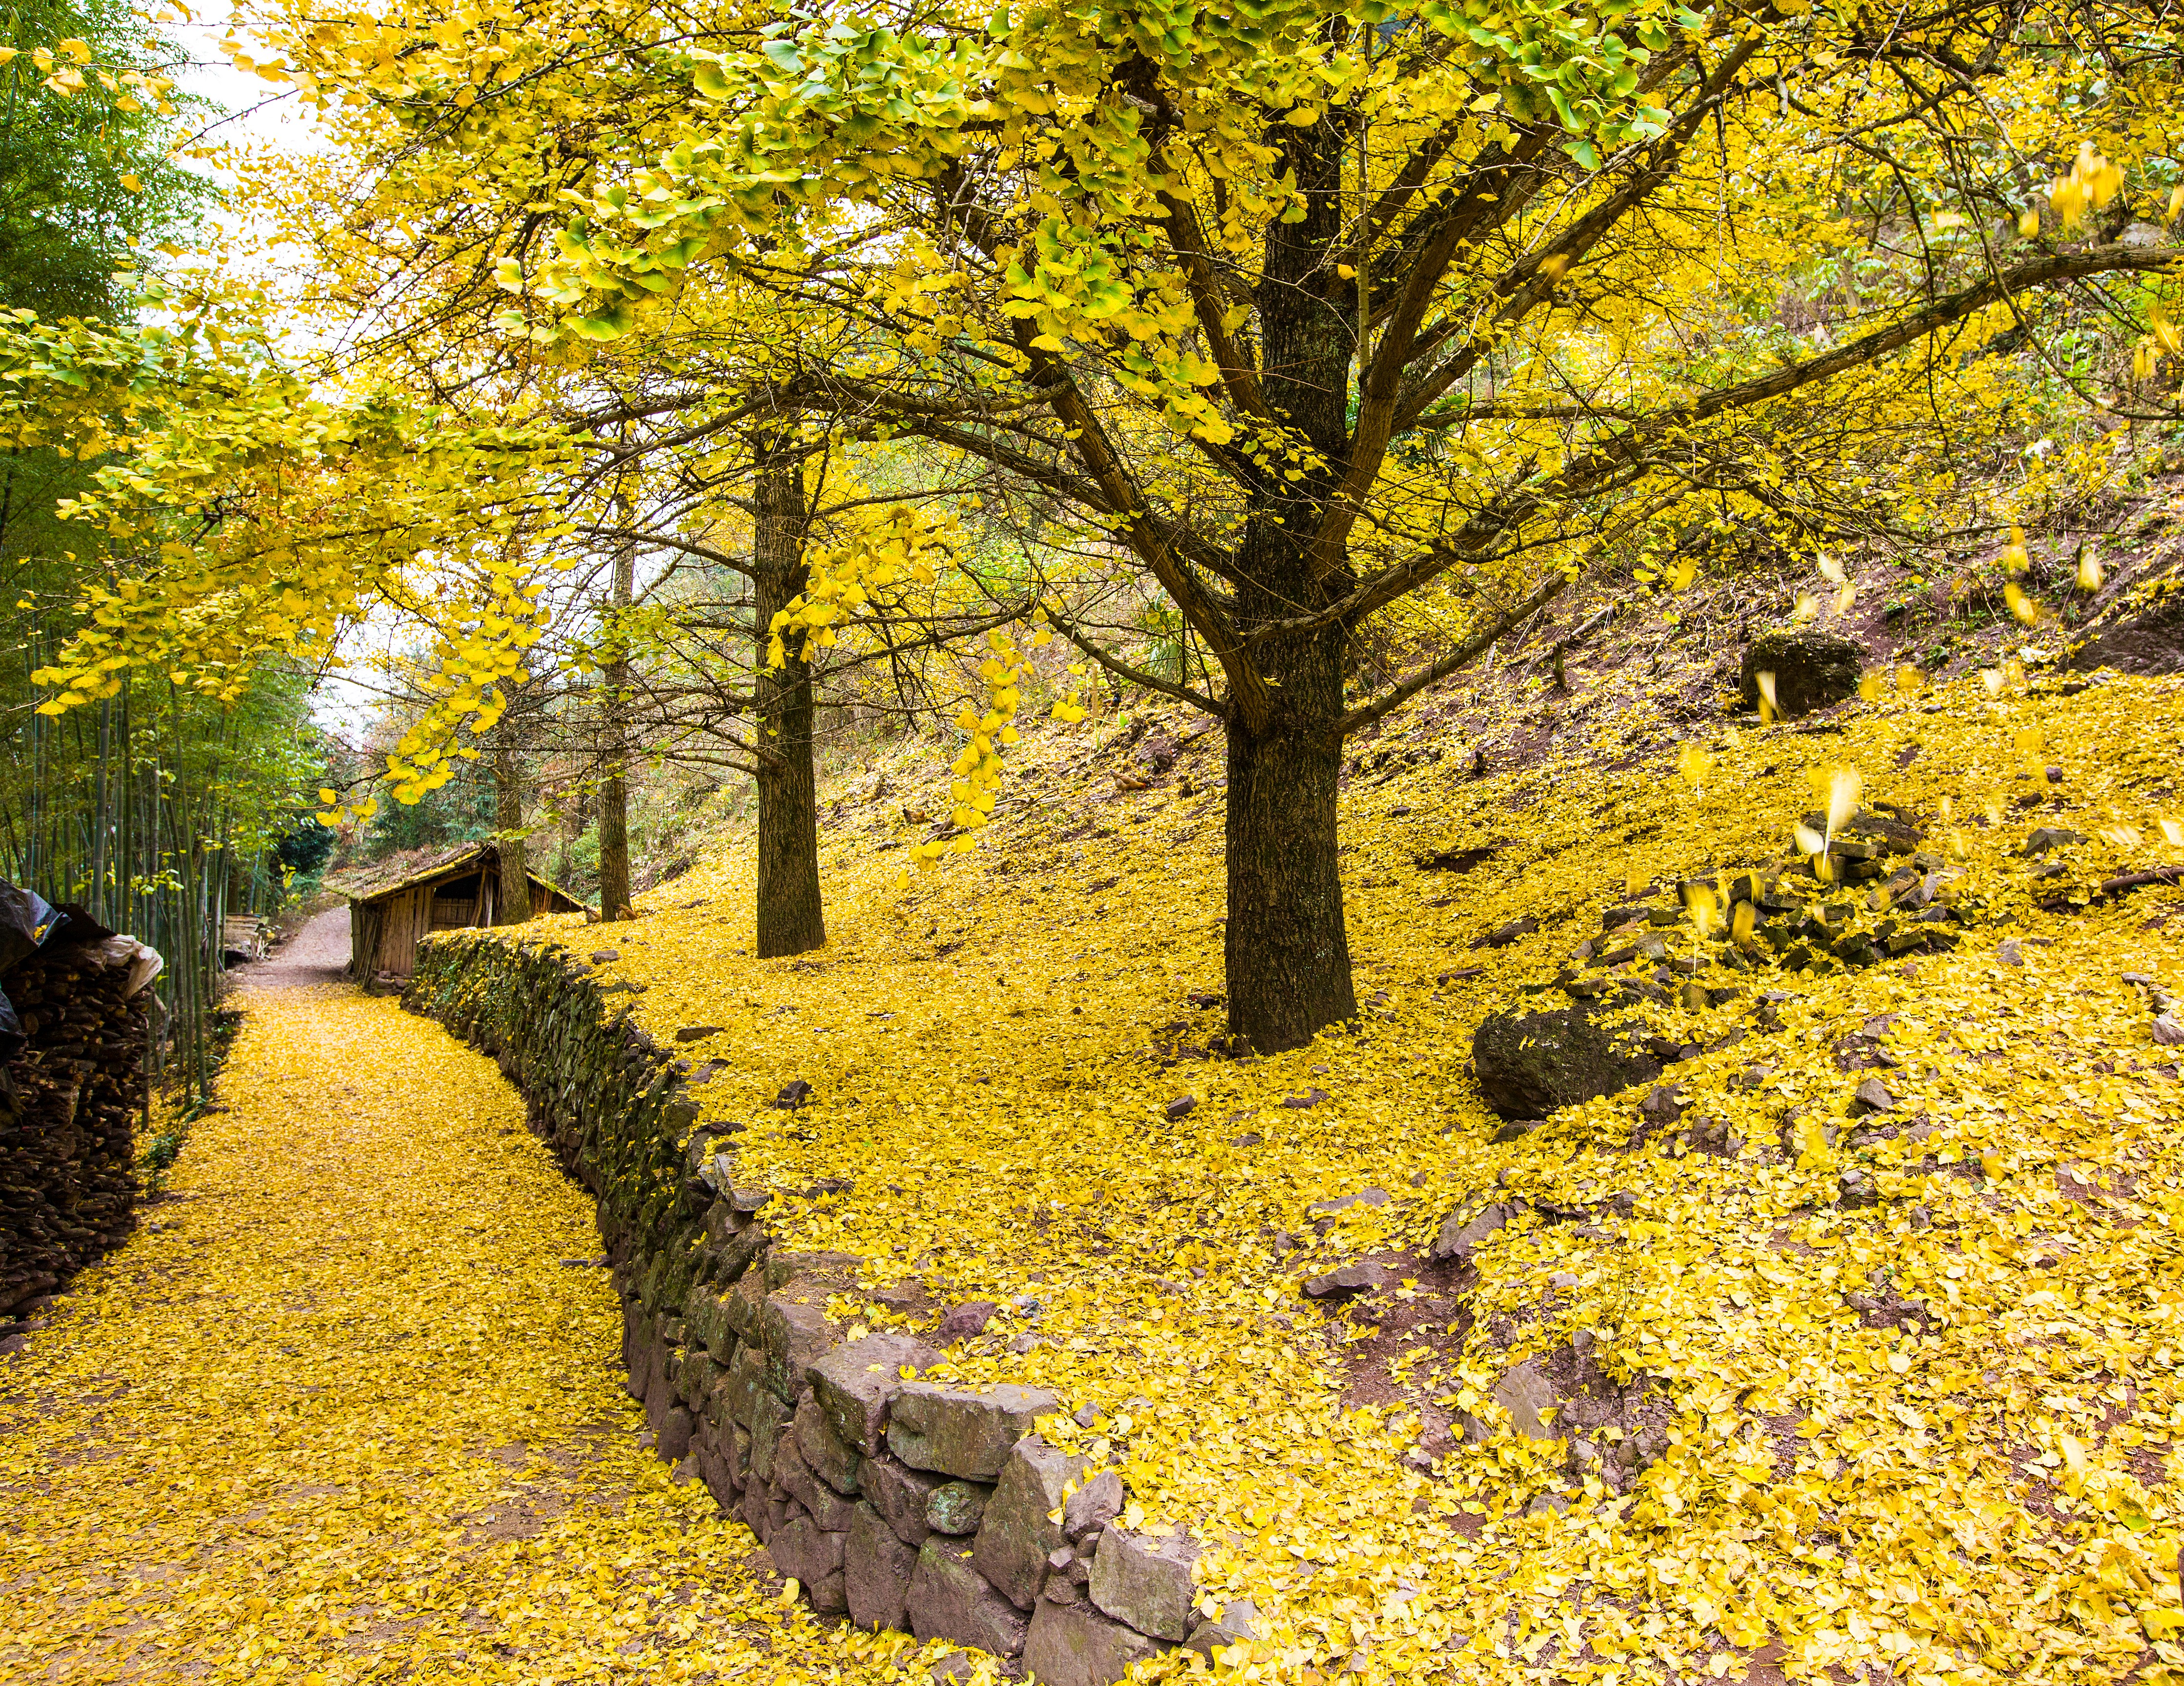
x=347, y=1409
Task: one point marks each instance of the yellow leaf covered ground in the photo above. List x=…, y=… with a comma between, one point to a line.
x=360, y=1308
x=1983, y=1493
x=345, y=1415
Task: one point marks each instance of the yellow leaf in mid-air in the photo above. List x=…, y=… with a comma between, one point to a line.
x=1693, y=764
x=1809, y=842
x=2090, y=574
x=1706, y=910
x=1838, y=789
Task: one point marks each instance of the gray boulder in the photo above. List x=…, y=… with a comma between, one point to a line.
x=1459, y=1236
x=741, y=1309
x=745, y=1381
x=963, y=1433
x=757, y=1510
x=1525, y=1393
x=876, y=1570
x=801, y=1547
x=793, y=1476
x=1095, y=1505
x=1358, y=1277
x=794, y=1334
x=1812, y=668
x=831, y=1461
x=957, y=1507
x=769, y=1423
x=1016, y=1536
x=706, y=1448
x=1238, y=1621
x=854, y=1384
x=949, y=1600
x=704, y=1322
x=899, y=1493
x=1070, y=1645
x=1528, y=1064
x=1145, y=1581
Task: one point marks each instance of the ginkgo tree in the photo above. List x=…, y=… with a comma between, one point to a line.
x=1313, y=309
x=746, y=536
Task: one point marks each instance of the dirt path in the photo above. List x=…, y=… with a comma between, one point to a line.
x=317, y=954
x=347, y=1409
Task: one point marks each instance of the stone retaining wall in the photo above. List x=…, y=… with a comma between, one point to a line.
x=67, y=1168
x=892, y=1501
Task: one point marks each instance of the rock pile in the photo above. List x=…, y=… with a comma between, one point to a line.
x=1876, y=894
x=1810, y=668
x=68, y=1177
x=893, y=1500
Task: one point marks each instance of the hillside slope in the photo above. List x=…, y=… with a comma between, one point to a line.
x=1755, y=1379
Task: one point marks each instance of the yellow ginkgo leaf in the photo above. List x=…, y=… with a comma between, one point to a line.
x=1840, y=787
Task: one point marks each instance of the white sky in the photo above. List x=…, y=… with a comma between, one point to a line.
x=253, y=114
x=256, y=110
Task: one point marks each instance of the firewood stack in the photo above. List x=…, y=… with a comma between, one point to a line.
x=73, y=1088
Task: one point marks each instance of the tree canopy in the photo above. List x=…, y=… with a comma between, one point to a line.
x=1279, y=326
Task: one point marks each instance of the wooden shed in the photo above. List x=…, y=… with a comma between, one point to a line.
x=402, y=900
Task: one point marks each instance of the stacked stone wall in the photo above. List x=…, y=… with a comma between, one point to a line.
x=67, y=1174
x=894, y=1501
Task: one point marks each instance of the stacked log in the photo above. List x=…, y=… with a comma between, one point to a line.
x=68, y=1177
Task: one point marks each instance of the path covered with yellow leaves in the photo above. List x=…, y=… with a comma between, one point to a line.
x=347, y=1407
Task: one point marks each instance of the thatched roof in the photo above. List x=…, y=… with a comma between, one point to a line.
x=413, y=867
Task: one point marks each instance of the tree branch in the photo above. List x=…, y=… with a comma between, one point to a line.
x=1461, y=656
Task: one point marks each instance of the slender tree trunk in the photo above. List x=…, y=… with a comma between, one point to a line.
x=508, y=821
x=1288, y=949
x=791, y=914
x=613, y=794
x=100, y=901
